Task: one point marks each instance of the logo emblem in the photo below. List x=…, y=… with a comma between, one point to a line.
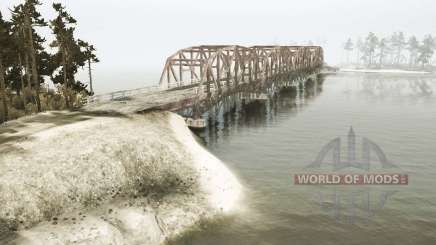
x=339, y=180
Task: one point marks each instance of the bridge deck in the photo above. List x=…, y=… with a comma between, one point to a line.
x=118, y=104
x=155, y=99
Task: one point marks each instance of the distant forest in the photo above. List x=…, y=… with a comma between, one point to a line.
x=395, y=51
x=28, y=62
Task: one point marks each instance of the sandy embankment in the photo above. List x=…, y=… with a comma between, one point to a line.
x=136, y=179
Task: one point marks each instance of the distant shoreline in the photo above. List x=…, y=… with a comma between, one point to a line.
x=390, y=71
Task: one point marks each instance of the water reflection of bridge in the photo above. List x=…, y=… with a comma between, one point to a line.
x=237, y=112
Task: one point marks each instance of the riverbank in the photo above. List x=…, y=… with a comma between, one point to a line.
x=88, y=178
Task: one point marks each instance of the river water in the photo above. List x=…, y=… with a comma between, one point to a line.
x=266, y=143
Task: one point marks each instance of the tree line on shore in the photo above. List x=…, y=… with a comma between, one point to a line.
x=394, y=51
x=28, y=62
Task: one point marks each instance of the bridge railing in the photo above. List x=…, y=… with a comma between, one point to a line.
x=119, y=95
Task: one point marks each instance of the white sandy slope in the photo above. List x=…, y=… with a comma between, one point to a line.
x=111, y=180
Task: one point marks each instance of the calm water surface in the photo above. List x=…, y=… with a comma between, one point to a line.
x=266, y=143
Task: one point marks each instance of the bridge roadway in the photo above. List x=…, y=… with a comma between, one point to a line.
x=145, y=99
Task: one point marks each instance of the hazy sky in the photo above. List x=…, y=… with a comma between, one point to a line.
x=134, y=37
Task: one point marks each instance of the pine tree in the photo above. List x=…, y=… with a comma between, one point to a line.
x=24, y=62
x=17, y=23
x=348, y=46
x=360, y=48
x=5, y=53
x=383, y=50
x=371, y=43
x=69, y=55
x=398, y=44
x=33, y=18
x=25, y=18
x=413, y=48
x=89, y=54
x=426, y=50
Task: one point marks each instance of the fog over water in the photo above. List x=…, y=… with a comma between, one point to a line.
x=134, y=37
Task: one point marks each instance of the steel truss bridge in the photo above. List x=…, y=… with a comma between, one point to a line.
x=201, y=76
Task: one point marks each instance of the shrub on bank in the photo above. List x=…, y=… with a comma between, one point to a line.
x=49, y=101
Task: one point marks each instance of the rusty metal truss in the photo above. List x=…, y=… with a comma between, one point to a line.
x=223, y=67
x=218, y=70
